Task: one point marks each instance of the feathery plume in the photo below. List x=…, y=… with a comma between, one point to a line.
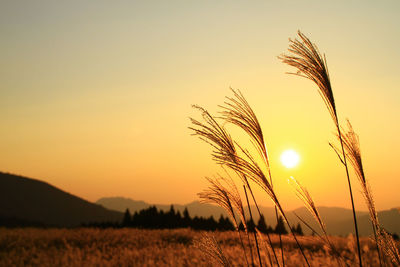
x=225, y=154
x=238, y=112
x=303, y=194
x=212, y=133
x=389, y=247
x=353, y=153
x=229, y=199
x=210, y=247
x=306, y=57
x=311, y=65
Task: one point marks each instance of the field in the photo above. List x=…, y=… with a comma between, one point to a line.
x=134, y=247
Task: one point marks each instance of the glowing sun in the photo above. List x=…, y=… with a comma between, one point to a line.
x=290, y=158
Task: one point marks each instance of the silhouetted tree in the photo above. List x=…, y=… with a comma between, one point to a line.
x=261, y=225
x=152, y=218
x=298, y=229
x=172, y=210
x=395, y=236
x=178, y=219
x=135, y=218
x=127, y=220
x=212, y=223
x=186, y=218
x=280, y=227
x=241, y=226
x=224, y=224
x=229, y=225
x=195, y=223
x=170, y=217
x=251, y=226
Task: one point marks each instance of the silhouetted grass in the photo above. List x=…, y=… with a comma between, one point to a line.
x=304, y=56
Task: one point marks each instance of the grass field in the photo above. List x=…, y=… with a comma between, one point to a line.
x=134, y=247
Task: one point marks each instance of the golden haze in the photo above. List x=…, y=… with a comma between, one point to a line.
x=95, y=99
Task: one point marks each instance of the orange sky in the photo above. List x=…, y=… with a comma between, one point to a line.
x=95, y=98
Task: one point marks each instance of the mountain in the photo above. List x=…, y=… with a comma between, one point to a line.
x=338, y=221
x=25, y=201
x=30, y=202
x=389, y=219
x=121, y=204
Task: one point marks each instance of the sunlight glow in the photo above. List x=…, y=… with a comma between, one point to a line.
x=290, y=158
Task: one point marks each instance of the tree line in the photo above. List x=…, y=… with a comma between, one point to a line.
x=152, y=218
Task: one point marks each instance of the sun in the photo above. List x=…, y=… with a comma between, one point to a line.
x=290, y=158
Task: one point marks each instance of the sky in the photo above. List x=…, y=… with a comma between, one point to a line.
x=95, y=96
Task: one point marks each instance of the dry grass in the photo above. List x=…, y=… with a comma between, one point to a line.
x=133, y=247
x=238, y=112
x=305, y=57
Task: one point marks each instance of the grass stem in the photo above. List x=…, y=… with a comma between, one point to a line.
x=351, y=193
x=251, y=218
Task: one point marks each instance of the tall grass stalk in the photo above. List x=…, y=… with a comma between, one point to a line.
x=216, y=135
x=267, y=248
x=224, y=153
x=383, y=241
x=236, y=110
x=210, y=247
x=353, y=152
x=260, y=214
x=227, y=198
x=303, y=194
x=254, y=231
x=389, y=247
x=310, y=64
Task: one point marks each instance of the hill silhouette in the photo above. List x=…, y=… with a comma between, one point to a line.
x=338, y=220
x=30, y=202
x=25, y=201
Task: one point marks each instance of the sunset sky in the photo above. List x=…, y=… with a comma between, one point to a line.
x=95, y=96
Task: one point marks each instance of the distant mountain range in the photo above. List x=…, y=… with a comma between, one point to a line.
x=30, y=202
x=339, y=221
